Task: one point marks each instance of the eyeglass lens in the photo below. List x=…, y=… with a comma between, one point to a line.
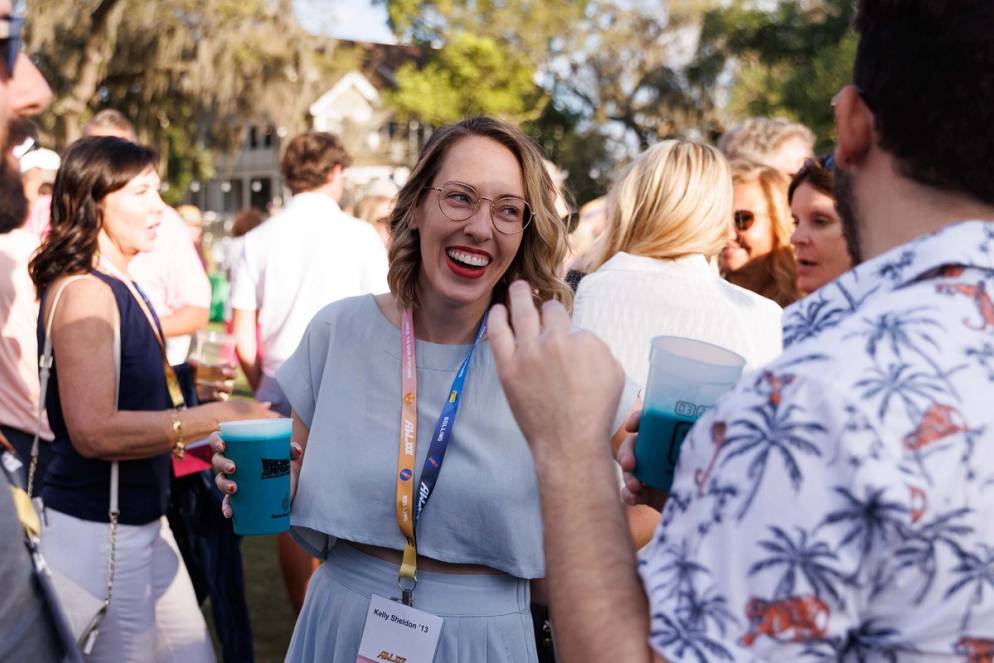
x=459, y=202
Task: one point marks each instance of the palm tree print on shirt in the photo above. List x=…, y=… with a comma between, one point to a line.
x=975, y=571
x=871, y=521
x=771, y=429
x=814, y=561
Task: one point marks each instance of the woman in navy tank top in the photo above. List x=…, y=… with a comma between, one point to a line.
x=106, y=208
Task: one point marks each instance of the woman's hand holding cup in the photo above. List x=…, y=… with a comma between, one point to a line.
x=225, y=468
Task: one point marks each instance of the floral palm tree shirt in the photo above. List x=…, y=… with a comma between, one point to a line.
x=839, y=504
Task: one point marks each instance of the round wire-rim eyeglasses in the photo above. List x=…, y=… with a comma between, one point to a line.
x=474, y=206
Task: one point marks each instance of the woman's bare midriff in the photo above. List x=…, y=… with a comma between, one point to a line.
x=424, y=563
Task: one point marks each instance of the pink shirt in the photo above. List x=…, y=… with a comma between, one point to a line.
x=18, y=334
x=40, y=216
x=172, y=276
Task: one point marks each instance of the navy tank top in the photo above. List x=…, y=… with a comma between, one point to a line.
x=80, y=486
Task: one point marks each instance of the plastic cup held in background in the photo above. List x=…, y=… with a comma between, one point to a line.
x=686, y=378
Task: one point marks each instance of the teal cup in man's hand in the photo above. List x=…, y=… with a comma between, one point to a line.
x=260, y=449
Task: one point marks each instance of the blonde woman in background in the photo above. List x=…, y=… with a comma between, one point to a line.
x=759, y=256
x=669, y=215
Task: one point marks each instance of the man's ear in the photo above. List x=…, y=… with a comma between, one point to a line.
x=854, y=130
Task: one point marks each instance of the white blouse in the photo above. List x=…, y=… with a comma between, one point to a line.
x=631, y=299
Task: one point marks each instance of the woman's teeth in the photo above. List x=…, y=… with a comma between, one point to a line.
x=471, y=259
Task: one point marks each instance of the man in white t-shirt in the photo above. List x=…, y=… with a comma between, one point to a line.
x=303, y=258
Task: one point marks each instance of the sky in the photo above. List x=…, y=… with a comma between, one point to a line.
x=356, y=20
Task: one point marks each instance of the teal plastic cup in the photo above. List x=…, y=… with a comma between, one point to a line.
x=260, y=449
x=686, y=378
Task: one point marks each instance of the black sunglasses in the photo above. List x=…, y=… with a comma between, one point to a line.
x=744, y=219
x=10, y=35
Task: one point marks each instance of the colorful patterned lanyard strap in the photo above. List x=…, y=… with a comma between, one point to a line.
x=407, y=512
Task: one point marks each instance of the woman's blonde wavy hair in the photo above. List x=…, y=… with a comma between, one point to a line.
x=543, y=245
x=781, y=263
x=674, y=200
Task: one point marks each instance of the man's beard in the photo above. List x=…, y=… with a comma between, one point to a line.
x=13, y=204
x=845, y=204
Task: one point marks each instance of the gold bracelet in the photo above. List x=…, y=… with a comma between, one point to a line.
x=179, y=448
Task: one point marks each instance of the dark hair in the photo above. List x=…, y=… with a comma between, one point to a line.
x=245, y=220
x=926, y=70
x=816, y=172
x=20, y=129
x=91, y=168
x=14, y=210
x=310, y=157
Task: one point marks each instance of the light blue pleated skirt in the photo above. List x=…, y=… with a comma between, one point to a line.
x=487, y=617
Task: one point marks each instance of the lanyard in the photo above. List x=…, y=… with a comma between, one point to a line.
x=172, y=383
x=408, y=512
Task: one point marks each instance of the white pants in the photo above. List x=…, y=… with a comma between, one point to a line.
x=153, y=615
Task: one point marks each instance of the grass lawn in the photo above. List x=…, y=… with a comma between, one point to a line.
x=269, y=608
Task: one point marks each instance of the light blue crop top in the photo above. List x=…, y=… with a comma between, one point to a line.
x=344, y=383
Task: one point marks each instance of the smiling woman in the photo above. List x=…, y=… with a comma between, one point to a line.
x=759, y=256
x=464, y=172
x=376, y=385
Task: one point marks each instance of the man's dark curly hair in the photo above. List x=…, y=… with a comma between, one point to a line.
x=926, y=70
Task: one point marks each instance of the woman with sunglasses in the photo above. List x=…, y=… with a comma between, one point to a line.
x=819, y=244
x=477, y=212
x=758, y=256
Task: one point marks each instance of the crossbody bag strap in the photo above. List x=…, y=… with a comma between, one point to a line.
x=113, y=509
x=44, y=371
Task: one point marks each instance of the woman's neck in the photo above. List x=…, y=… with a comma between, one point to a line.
x=753, y=276
x=440, y=321
x=112, y=254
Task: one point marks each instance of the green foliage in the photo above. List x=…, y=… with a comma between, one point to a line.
x=188, y=73
x=470, y=75
x=526, y=27
x=788, y=60
x=581, y=151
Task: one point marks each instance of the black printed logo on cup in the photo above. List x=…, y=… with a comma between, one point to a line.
x=274, y=467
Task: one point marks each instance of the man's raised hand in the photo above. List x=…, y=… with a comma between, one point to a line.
x=563, y=386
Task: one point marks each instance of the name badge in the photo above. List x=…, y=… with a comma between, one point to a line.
x=396, y=633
